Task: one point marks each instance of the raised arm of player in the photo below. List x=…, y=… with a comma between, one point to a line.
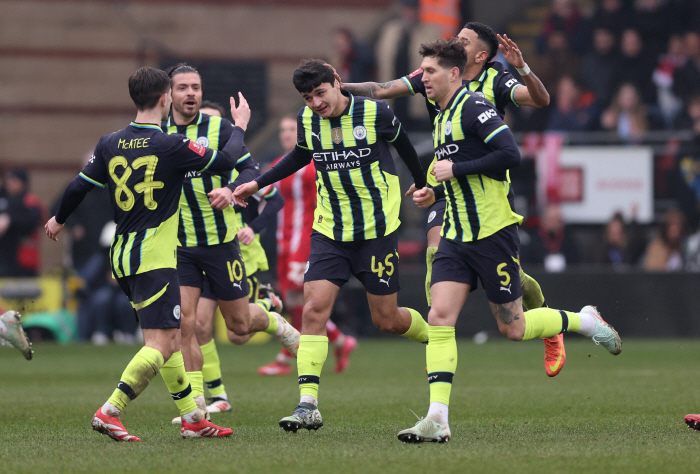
x=384, y=90
x=534, y=93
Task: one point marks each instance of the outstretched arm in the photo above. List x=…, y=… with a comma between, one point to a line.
x=287, y=166
x=383, y=90
x=534, y=93
x=74, y=195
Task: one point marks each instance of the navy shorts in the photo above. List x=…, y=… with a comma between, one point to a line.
x=436, y=214
x=220, y=265
x=492, y=260
x=374, y=262
x=253, y=284
x=155, y=297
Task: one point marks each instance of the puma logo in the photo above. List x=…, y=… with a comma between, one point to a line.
x=381, y=280
x=317, y=135
x=503, y=288
x=238, y=285
x=480, y=102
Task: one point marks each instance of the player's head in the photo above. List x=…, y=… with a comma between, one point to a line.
x=480, y=41
x=149, y=88
x=316, y=83
x=443, y=65
x=212, y=108
x=288, y=132
x=187, y=90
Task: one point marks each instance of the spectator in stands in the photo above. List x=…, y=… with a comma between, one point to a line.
x=559, y=61
x=551, y=245
x=636, y=66
x=621, y=246
x=612, y=15
x=628, y=116
x=664, y=253
x=686, y=80
x=105, y=312
x=355, y=61
x=675, y=57
x=653, y=20
x=21, y=214
x=564, y=17
x=598, y=66
x=574, y=110
x=689, y=118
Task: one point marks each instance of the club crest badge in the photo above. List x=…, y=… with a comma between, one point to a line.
x=176, y=311
x=204, y=141
x=337, y=135
x=359, y=132
x=448, y=128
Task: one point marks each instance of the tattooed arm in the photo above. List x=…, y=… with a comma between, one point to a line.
x=383, y=90
x=534, y=94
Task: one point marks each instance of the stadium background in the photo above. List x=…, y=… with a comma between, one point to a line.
x=63, y=70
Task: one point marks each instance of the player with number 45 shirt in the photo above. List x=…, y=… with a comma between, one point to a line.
x=357, y=214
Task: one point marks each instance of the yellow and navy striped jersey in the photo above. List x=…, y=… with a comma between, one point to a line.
x=200, y=224
x=358, y=195
x=495, y=83
x=143, y=169
x=477, y=205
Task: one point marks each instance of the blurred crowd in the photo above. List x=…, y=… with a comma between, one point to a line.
x=629, y=67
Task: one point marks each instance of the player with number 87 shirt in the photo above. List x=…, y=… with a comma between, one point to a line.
x=144, y=168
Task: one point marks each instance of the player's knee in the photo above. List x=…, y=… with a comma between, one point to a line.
x=314, y=310
x=236, y=339
x=438, y=317
x=387, y=322
x=238, y=327
x=514, y=333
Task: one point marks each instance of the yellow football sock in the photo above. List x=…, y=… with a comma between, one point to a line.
x=196, y=382
x=136, y=377
x=211, y=369
x=175, y=377
x=311, y=356
x=548, y=322
x=532, y=293
x=441, y=359
x=418, y=331
x=429, y=258
x=274, y=325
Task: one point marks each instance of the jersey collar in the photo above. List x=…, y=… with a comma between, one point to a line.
x=145, y=125
x=458, y=95
x=196, y=120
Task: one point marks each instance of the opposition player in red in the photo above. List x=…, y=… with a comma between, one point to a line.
x=293, y=246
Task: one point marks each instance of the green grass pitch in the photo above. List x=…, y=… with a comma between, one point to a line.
x=601, y=414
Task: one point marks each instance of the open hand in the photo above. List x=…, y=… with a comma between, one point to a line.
x=53, y=228
x=510, y=51
x=240, y=114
